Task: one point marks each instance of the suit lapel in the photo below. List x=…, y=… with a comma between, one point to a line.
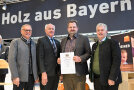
x=56, y=44
x=76, y=43
x=64, y=45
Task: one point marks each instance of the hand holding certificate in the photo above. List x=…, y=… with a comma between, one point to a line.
x=67, y=63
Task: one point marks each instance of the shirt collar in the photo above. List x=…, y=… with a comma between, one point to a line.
x=74, y=36
x=50, y=37
x=25, y=40
x=102, y=39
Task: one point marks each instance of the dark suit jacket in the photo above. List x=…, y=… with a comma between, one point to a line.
x=46, y=59
x=109, y=61
x=82, y=49
x=4, y=55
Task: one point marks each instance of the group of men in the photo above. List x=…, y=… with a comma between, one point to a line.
x=30, y=63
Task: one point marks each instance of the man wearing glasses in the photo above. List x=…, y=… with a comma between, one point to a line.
x=22, y=60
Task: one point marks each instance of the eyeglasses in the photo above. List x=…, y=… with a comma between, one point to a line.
x=26, y=30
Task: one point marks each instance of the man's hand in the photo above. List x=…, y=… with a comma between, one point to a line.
x=58, y=61
x=61, y=77
x=77, y=59
x=44, y=78
x=37, y=81
x=16, y=81
x=111, y=82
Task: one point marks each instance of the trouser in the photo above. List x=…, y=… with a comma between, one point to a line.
x=74, y=82
x=25, y=85
x=52, y=83
x=2, y=79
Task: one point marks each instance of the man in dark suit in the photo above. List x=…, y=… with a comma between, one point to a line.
x=78, y=44
x=48, y=50
x=105, y=61
x=22, y=60
x=3, y=55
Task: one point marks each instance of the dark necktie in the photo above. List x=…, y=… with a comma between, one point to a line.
x=54, y=47
x=28, y=42
x=30, y=57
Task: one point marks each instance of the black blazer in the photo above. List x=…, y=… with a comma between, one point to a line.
x=109, y=61
x=82, y=49
x=4, y=55
x=46, y=59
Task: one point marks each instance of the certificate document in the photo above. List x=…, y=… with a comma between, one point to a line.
x=67, y=63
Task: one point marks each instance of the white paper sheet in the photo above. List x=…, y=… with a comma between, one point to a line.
x=67, y=63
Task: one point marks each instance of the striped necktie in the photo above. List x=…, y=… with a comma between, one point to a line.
x=54, y=46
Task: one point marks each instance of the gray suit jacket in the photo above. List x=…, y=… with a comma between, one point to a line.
x=19, y=59
x=82, y=49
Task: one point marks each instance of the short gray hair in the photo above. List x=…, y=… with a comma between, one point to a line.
x=25, y=25
x=101, y=24
x=49, y=24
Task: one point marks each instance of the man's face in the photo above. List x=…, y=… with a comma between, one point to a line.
x=123, y=57
x=26, y=31
x=50, y=30
x=101, y=32
x=72, y=28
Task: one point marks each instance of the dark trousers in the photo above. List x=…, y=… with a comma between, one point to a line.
x=74, y=82
x=2, y=79
x=25, y=85
x=52, y=83
x=98, y=86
